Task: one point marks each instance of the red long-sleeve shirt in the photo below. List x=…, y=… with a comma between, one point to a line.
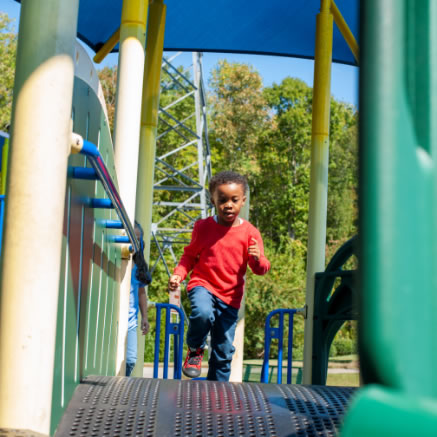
x=217, y=256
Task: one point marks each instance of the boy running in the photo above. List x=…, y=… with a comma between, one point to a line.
x=221, y=247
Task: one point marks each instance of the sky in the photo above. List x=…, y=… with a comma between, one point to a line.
x=273, y=69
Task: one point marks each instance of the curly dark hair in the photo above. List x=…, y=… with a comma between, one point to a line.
x=227, y=177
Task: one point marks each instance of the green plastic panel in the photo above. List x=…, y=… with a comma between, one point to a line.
x=398, y=220
x=88, y=290
x=381, y=412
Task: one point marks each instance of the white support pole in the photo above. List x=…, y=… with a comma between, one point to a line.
x=237, y=359
x=126, y=138
x=199, y=125
x=319, y=172
x=148, y=133
x=40, y=143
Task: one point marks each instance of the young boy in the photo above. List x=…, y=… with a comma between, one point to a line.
x=221, y=247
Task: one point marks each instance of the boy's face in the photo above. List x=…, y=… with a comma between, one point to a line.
x=228, y=200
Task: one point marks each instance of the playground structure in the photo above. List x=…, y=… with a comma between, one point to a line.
x=396, y=244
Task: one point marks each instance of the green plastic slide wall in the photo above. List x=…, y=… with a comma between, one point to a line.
x=88, y=288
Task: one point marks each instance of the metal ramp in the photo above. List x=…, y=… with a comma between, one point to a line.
x=120, y=406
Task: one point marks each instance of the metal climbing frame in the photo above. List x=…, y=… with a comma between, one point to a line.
x=183, y=161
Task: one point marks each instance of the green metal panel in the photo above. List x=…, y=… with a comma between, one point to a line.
x=397, y=215
x=88, y=290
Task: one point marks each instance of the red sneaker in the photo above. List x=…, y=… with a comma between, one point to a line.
x=193, y=363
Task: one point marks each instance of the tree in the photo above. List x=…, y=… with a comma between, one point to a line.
x=8, y=50
x=108, y=80
x=239, y=114
x=343, y=173
x=284, y=155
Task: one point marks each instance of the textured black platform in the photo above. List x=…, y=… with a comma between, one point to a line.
x=119, y=406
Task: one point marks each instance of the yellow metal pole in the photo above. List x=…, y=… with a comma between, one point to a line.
x=40, y=144
x=107, y=47
x=345, y=31
x=126, y=138
x=319, y=171
x=4, y=170
x=149, y=125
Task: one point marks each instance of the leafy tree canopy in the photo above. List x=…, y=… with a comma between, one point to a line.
x=8, y=48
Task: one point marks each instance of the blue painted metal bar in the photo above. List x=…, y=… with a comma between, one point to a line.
x=111, y=224
x=120, y=239
x=2, y=215
x=91, y=151
x=82, y=173
x=280, y=346
x=175, y=329
x=166, y=344
x=101, y=203
x=157, y=341
x=289, y=348
x=278, y=333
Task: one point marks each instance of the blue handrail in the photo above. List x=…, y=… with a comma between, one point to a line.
x=175, y=329
x=92, y=152
x=2, y=215
x=278, y=333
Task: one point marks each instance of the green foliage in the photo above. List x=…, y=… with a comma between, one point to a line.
x=238, y=116
x=282, y=287
x=284, y=157
x=345, y=346
x=108, y=80
x=8, y=49
x=345, y=342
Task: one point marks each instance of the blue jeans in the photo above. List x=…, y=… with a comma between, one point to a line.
x=211, y=314
x=131, y=350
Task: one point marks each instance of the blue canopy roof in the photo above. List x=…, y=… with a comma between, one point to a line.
x=272, y=27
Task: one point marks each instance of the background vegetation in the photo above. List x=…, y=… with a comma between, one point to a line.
x=264, y=133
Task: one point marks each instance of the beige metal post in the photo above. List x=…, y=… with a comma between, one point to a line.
x=40, y=143
x=126, y=137
x=319, y=171
x=237, y=360
x=149, y=126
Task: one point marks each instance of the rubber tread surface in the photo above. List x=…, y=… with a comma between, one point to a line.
x=120, y=406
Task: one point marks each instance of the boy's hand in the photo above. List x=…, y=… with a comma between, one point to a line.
x=173, y=282
x=254, y=249
x=145, y=325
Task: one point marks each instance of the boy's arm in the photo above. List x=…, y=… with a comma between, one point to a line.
x=142, y=303
x=189, y=258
